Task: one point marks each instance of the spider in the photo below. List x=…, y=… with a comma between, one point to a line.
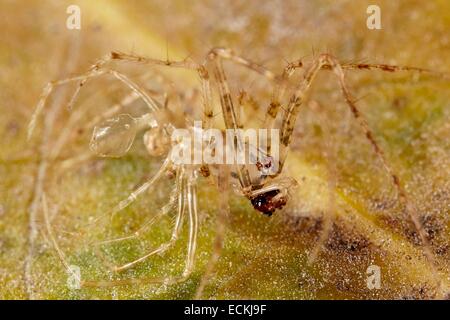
x=267, y=193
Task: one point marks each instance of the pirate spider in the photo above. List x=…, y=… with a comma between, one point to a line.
x=267, y=193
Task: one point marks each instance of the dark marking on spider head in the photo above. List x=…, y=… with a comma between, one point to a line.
x=268, y=202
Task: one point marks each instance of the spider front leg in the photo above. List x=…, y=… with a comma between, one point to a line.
x=150, y=102
x=101, y=67
x=188, y=65
x=231, y=118
x=216, y=55
x=48, y=89
x=76, y=118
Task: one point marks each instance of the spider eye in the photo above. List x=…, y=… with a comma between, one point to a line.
x=114, y=137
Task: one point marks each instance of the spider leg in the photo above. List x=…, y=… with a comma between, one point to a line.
x=51, y=235
x=74, y=161
x=228, y=54
x=48, y=89
x=193, y=224
x=76, y=117
x=232, y=121
x=228, y=109
x=248, y=107
x=411, y=209
x=293, y=108
x=182, y=198
x=124, y=203
x=216, y=55
x=324, y=62
x=208, y=111
x=224, y=210
x=189, y=65
x=288, y=126
x=330, y=215
x=230, y=116
x=277, y=96
x=99, y=68
x=188, y=190
x=278, y=93
x=133, y=196
x=189, y=194
x=390, y=68
x=150, y=102
x=403, y=196
x=149, y=222
x=183, y=195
